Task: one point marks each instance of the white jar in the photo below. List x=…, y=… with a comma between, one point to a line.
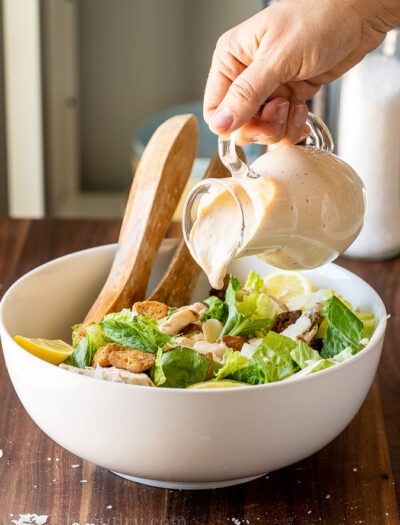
x=369, y=140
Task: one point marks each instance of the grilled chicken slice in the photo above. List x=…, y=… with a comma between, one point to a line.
x=306, y=326
x=181, y=318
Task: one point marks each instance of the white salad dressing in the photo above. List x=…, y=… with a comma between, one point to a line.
x=305, y=209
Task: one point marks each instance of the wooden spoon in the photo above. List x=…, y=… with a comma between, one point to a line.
x=179, y=281
x=158, y=184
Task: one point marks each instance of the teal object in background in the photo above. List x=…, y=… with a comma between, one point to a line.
x=208, y=143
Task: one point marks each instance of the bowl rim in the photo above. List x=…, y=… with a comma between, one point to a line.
x=370, y=347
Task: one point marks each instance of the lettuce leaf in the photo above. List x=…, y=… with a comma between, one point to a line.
x=368, y=321
x=217, y=309
x=274, y=351
x=125, y=316
x=344, y=355
x=82, y=355
x=141, y=333
x=96, y=336
x=303, y=353
x=241, y=368
x=258, y=306
x=254, y=282
x=238, y=323
x=322, y=366
x=344, y=328
x=179, y=367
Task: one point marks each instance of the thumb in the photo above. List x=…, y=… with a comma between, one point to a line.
x=245, y=96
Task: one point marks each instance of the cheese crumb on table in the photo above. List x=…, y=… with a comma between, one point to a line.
x=33, y=519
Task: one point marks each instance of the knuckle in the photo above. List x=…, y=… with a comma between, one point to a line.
x=243, y=92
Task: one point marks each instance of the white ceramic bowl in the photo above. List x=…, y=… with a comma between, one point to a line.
x=174, y=437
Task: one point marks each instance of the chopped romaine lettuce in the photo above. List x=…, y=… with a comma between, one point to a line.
x=179, y=368
x=325, y=363
x=274, y=351
x=140, y=333
x=258, y=306
x=303, y=354
x=254, y=282
x=238, y=323
x=368, y=320
x=241, y=368
x=125, y=316
x=217, y=309
x=344, y=355
x=96, y=336
x=82, y=355
x=344, y=328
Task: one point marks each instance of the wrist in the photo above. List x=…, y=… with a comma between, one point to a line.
x=380, y=15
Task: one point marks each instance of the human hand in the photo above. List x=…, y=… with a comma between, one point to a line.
x=283, y=55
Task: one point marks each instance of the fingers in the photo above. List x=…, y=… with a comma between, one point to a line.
x=296, y=123
x=244, y=97
x=279, y=121
x=268, y=127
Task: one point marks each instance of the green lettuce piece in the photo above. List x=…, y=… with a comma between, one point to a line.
x=254, y=282
x=344, y=328
x=75, y=328
x=234, y=361
x=276, y=348
x=82, y=355
x=321, y=366
x=303, y=353
x=141, y=333
x=237, y=323
x=258, y=306
x=241, y=368
x=124, y=316
x=344, y=355
x=96, y=336
x=274, y=352
x=217, y=309
x=179, y=368
x=368, y=321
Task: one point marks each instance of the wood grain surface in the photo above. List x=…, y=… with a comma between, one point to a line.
x=353, y=480
x=179, y=281
x=163, y=170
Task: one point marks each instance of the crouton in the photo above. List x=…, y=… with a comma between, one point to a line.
x=152, y=309
x=221, y=293
x=235, y=342
x=101, y=356
x=284, y=320
x=132, y=360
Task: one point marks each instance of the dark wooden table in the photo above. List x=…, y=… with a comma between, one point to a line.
x=352, y=480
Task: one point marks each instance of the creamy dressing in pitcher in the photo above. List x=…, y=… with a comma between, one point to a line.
x=304, y=210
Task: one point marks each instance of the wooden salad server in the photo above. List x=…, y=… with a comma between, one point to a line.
x=179, y=281
x=157, y=186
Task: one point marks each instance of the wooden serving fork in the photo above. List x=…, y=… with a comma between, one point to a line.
x=158, y=184
x=179, y=281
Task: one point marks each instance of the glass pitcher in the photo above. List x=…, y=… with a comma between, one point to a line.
x=296, y=207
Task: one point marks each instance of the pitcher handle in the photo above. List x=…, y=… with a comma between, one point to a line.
x=319, y=136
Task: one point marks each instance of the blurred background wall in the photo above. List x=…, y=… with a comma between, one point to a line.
x=106, y=67
x=137, y=58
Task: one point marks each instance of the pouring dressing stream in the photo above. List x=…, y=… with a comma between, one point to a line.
x=296, y=207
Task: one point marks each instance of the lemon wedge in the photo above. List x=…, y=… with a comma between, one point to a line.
x=284, y=284
x=222, y=383
x=53, y=351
